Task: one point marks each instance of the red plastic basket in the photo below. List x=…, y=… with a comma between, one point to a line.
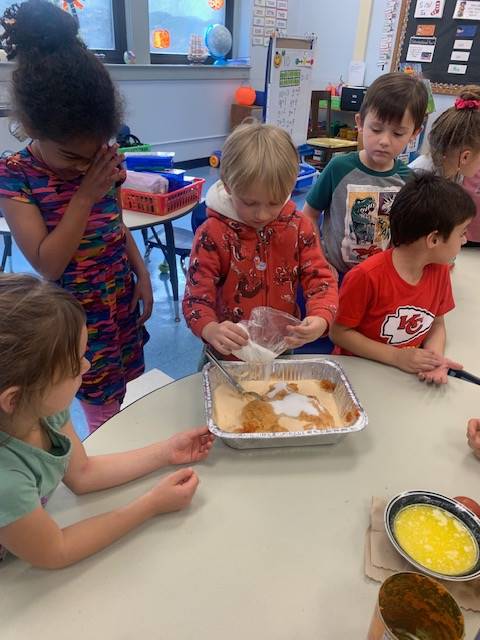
x=161, y=204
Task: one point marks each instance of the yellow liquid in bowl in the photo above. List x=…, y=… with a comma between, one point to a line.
x=435, y=539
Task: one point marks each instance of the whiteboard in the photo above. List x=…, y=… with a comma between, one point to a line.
x=289, y=85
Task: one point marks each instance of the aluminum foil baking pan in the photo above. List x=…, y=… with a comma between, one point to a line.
x=289, y=370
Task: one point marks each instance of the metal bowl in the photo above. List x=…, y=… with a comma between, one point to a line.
x=466, y=517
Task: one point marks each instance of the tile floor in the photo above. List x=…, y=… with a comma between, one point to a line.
x=172, y=348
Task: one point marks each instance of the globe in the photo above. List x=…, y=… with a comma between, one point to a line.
x=218, y=40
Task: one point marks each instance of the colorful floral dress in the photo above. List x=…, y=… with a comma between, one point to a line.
x=99, y=275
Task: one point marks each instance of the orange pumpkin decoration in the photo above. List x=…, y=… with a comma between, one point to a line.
x=216, y=5
x=161, y=39
x=245, y=96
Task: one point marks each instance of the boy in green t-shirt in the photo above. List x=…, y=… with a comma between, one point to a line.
x=356, y=190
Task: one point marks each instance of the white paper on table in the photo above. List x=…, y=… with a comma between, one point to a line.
x=469, y=10
x=463, y=44
x=420, y=49
x=356, y=73
x=457, y=68
x=429, y=8
x=460, y=56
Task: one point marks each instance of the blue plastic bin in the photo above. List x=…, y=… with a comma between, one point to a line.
x=152, y=162
x=306, y=176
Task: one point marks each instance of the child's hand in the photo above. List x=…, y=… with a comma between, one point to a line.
x=189, y=446
x=311, y=328
x=439, y=375
x=102, y=174
x=417, y=360
x=175, y=492
x=143, y=291
x=225, y=337
x=473, y=435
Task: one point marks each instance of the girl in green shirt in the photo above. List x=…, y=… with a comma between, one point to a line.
x=43, y=339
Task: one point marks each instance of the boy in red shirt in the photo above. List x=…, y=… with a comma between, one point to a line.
x=255, y=247
x=392, y=306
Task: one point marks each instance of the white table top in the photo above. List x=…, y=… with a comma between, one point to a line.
x=136, y=220
x=272, y=546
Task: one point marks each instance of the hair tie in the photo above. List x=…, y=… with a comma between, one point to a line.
x=461, y=104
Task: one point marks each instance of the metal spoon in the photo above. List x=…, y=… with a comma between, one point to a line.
x=230, y=379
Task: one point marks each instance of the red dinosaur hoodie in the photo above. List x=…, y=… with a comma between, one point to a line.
x=235, y=268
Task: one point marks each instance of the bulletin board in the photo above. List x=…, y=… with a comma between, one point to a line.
x=289, y=84
x=440, y=38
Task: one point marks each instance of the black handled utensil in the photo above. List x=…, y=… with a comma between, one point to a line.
x=231, y=380
x=464, y=375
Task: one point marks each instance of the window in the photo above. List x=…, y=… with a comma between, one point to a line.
x=102, y=25
x=172, y=22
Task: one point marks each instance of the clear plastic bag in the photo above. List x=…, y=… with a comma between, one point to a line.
x=267, y=330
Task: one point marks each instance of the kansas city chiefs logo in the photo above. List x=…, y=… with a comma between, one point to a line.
x=406, y=324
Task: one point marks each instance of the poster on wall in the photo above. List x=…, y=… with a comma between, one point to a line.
x=425, y=30
x=460, y=56
x=391, y=13
x=429, y=8
x=467, y=10
x=466, y=45
x=421, y=49
x=289, y=85
x=269, y=17
x=458, y=69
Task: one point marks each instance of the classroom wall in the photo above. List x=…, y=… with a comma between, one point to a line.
x=190, y=117
x=335, y=24
x=186, y=110
x=190, y=114
x=336, y=32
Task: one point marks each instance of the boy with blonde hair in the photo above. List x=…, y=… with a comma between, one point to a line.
x=254, y=249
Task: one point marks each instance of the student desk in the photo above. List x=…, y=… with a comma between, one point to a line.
x=272, y=546
x=135, y=220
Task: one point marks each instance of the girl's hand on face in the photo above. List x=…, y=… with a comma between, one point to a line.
x=106, y=169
